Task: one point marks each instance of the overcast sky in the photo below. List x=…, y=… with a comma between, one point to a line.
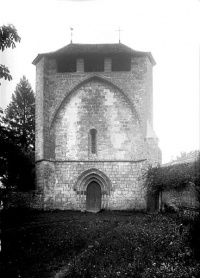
x=169, y=29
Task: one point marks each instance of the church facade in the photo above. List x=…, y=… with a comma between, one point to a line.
x=94, y=127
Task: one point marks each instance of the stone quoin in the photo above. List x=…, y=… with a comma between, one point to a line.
x=94, y=127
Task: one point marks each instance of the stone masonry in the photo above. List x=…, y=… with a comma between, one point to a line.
x=117, y=104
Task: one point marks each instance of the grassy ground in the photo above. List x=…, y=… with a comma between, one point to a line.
x=108, y=244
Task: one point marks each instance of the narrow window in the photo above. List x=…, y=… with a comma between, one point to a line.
x=93, y=140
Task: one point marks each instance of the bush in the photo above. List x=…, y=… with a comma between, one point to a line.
x=175, y=176
x=18, y=173
x=194, y=237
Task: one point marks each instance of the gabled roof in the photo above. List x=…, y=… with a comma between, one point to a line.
x=88, y=49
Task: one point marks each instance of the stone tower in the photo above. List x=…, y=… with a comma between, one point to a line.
x=94, y=127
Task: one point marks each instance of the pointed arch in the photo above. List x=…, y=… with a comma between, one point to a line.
x=79, y=84
x=93, y=175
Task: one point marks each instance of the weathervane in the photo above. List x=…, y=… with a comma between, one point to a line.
x=71, y=33
x=119, y=33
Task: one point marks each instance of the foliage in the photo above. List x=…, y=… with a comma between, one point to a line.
x=7, y=140
x=5, y=73
x=108, y=244
x=173, y=175
x=194, y=237
x=186, y=157
x=8, y=38
x=17, y=139
x=17, y=172
x=16, y=164
x=20, y=114
x=176, y=175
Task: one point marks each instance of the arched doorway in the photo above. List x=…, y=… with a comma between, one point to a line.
x=93, y=197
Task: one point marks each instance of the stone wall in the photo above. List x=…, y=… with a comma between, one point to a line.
x=39, y=122
x=53, y=88
x=176, y=199
x=64, y=189
x=154, y=154
x=116, y=104
x=30, y=200
x=97, y=105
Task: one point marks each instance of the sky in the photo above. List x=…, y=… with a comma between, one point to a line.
x=169, y=29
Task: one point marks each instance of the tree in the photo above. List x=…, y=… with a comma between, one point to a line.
x=17, y=132
x=16, y=165
x=8, y=38
x=7, y=140
x=184, y=157
x=20, y=115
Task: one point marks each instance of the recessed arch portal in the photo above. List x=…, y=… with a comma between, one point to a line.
x=93, y=175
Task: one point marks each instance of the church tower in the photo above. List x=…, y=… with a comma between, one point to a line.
x=94, y=127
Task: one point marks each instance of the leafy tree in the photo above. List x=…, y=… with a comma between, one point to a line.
x=20, y=115
x=8, y=38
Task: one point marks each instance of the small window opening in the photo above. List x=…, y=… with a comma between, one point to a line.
x=66, y=64
x=121, y=63
x=93, y=140
x=93, y=63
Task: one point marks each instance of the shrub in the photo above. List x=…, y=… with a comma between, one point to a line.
x=194, y=237
x=174, y=176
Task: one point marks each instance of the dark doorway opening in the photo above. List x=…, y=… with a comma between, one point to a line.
x=93, y=197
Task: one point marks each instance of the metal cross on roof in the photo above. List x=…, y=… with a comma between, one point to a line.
x=119, y=33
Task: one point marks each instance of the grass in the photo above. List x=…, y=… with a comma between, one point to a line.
x=108, y=244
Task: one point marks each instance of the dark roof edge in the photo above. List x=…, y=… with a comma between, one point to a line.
x=53, y=53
